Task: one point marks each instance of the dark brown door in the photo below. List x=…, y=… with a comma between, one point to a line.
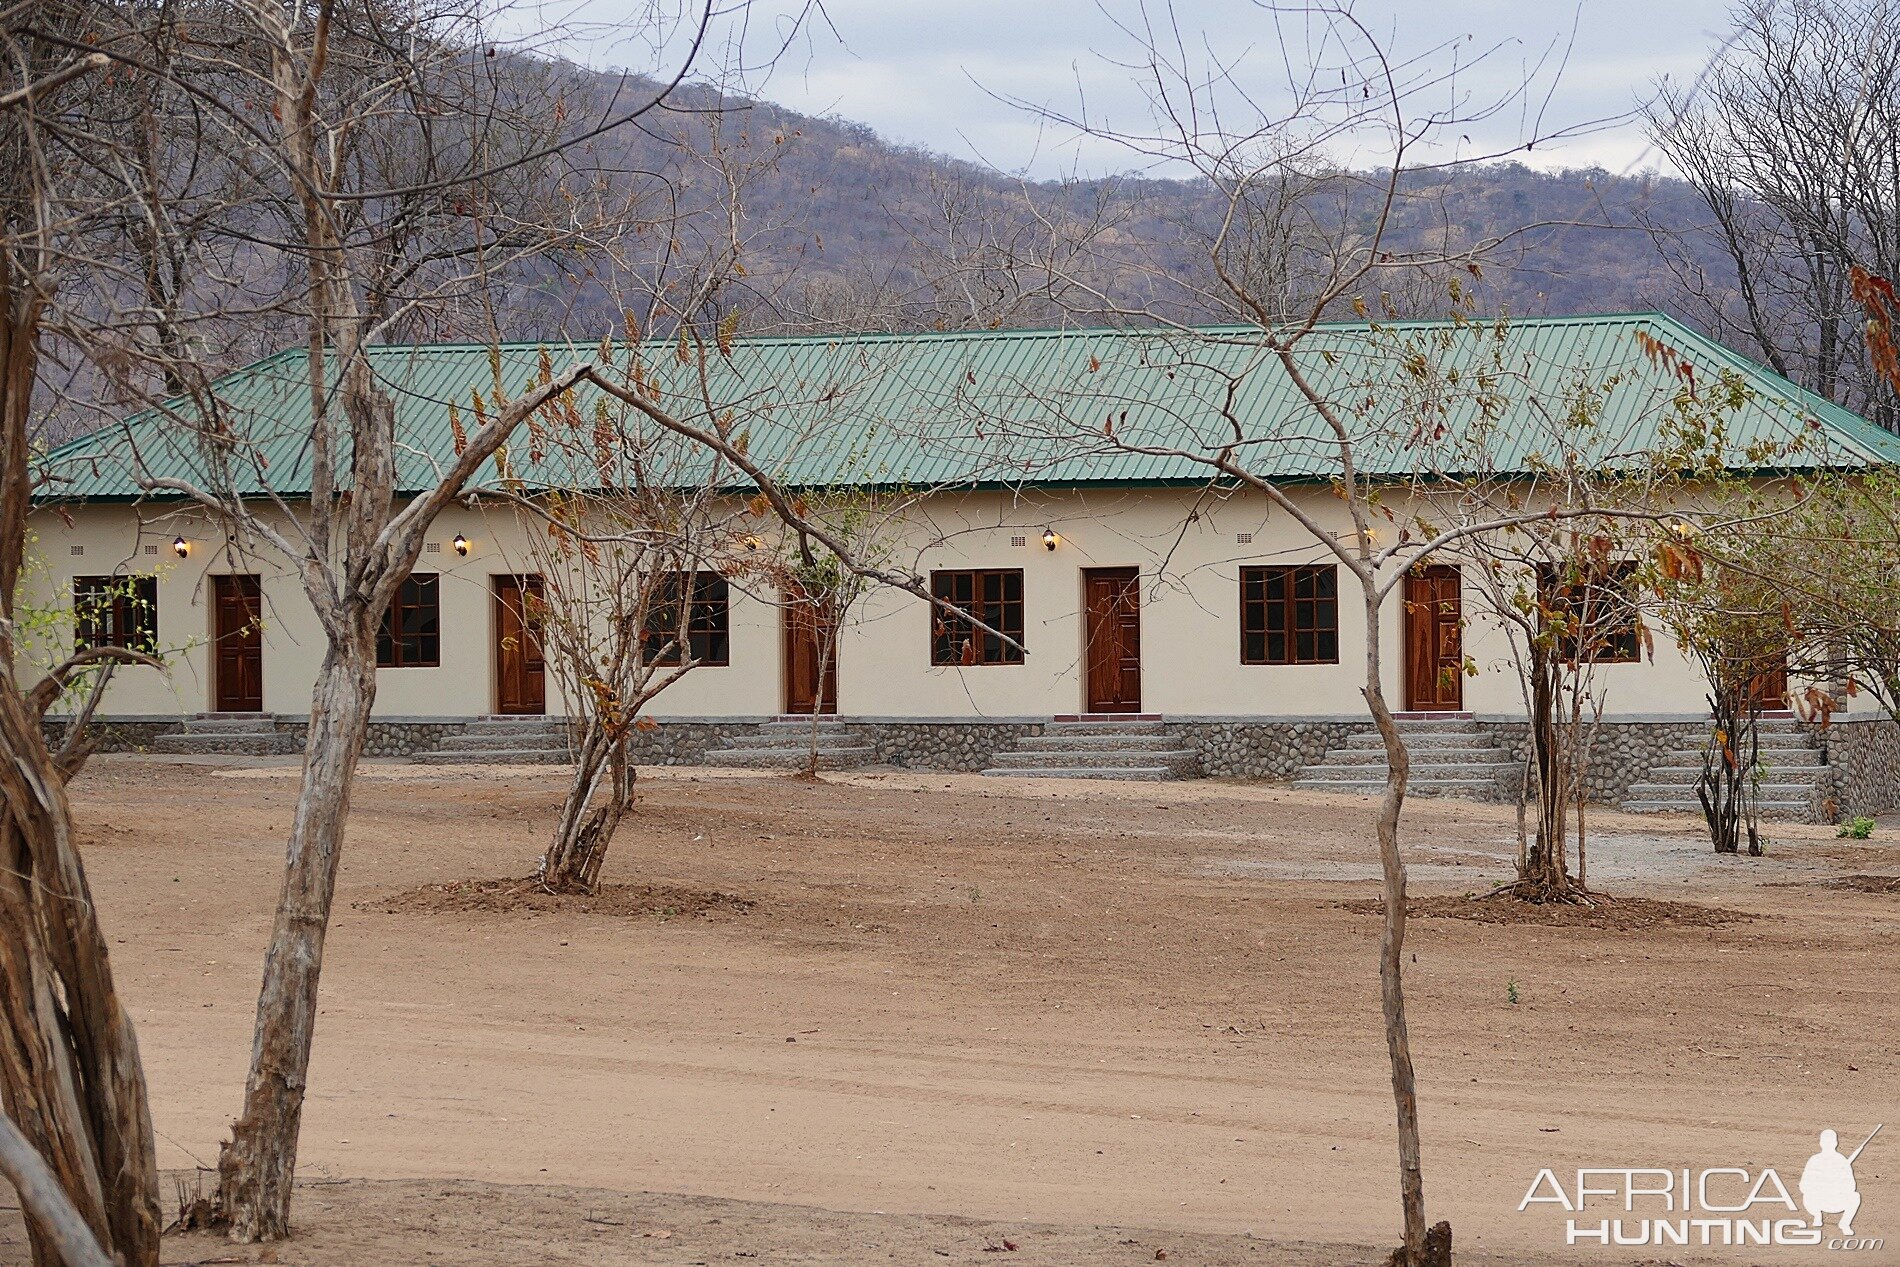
x=1770, y=687
x=1113, y=631
x=520, y=672
x=806, y=621
x=1434, y=641
x=237, y=635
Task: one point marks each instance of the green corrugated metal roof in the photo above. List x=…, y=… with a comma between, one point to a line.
x=990, y=408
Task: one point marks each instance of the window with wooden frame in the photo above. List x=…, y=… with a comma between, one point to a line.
x=411, y=633
x=995, y=597
x=708, y=619
x=115, y=611
x=1591, y=612
x=1289, y=615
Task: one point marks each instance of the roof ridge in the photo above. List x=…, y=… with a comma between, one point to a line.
x=1026, y=332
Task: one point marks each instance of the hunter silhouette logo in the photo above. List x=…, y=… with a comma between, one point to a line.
x=1716, y=1206
x=1827, y=1182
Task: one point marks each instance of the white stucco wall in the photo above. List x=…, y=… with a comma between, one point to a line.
x=1184, y=542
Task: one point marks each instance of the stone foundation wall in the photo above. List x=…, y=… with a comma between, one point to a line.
x=684, y=742
x=1621, y=755
x=966, y=746
x=1251, y=748
x=1864, y=760
x=116, y=734
x=1863, y=754
x=393, y=737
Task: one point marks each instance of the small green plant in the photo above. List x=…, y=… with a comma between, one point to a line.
x=1510, y=992
x=1857, y=828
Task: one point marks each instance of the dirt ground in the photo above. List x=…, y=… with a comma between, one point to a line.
x=908, y=1018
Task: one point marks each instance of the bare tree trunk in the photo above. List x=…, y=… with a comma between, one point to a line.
x=1726, y=788
x=1544, y=874
x=826, y=642
x=590, y=816
x=69, y=1059
x=257, y=1166
x=70, y=1072
x=1398, y=1043
x=44, y=1201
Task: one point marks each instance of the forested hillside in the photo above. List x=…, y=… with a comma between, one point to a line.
x=848, y=230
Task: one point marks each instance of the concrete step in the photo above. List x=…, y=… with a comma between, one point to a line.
x=836, y=757
x=1143, y=774
x=1098, y=758
x=470, y=741
x=1689, y=776
x=1432, y=725
x=517, y=726
x=227, y=723
x=253, y=743
x=494, y=756
x=1472, y=788
x=795, y=740
x=1685, y=792
x=1420, y=756
x=1369, y=739
x=1494, y=769
x=1063, y=741
x=1781, y=743
x=1769, y=809
x=1105, y=728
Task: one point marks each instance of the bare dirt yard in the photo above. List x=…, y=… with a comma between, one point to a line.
x=920, y=1018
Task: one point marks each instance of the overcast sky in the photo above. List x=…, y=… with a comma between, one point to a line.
x=931, y=72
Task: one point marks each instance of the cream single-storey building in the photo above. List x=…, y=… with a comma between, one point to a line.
x=1147, y=598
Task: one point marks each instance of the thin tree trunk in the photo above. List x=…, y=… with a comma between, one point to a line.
x=1398, y=1042
x=589, y=818
x=825, y=645
x=257, y=1167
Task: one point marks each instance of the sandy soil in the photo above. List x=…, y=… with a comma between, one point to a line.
x=1055, y=1010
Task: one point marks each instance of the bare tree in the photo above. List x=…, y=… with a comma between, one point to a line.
x=393, y=174
x=70, y=1075
x=1274, y=271
x=623, y=555
x=1791, y=136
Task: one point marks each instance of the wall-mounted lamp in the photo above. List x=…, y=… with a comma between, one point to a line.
x=1049, y=538
x=181, y=547
x=752, y=542
x=461, y=545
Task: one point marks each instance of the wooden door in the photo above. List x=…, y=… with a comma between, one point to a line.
x=805, y=621
x=520, y=671
x=237, y=639
x=1770, y=687
x=1112, y=629
x=1434, y=641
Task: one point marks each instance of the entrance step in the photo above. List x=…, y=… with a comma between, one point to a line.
x=504, y=741
x=228, y=734
x=1451, y=756
x=1788, y=765
x=1098, y=748
x=785, y=743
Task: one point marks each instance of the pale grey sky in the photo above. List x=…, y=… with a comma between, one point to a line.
x=929, y=72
